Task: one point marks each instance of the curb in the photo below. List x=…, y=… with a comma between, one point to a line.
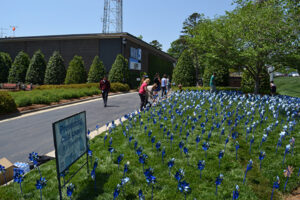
x=57, y=105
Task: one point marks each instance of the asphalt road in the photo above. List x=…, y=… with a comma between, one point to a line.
x=33, y=132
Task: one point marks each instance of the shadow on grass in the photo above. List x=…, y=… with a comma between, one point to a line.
x=90, y=191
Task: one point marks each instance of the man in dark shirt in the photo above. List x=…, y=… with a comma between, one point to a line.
x=105, y=87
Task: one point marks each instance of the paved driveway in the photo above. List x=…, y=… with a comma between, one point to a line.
x=33, y=132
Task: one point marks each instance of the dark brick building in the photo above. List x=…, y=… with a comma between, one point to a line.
x=141, y=56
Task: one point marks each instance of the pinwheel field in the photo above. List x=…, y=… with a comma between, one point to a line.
x=249, y=145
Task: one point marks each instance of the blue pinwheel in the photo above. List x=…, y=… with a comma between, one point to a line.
x=220, y=156
x=117, y=191
x=90, y=154
x=249, y=167
x=150, y=179
x=110, y=141
x=237, y=146
x=279, y=144
x=184, y=187
x=201, y=166
x=130, y=139
x=135, y=144
x=104, y=139
x=275, y=185
x=218, y=182
x=142, y=159
x=111, y=150
x=226, y=141
x=187, y=136
x=205, y=147
x=70, y=190
x=263, y=139
x=292, y=143
x=186, y=152
x=126, y=167
x=235, y=195
x=93, y=173
x=171, y=139
x=19, y=177
x=3, y=172
x=34, y=158
x=123, y=182
x=139, y=151
x=119, y=159
x=141, y=196
x=40, y=184
x=171, y=164
x=197, y=141
x=157, y=146
x=179, y=175
x=181, y=144
x=222, y=133
x=163, y=153
x=153, y=141
x=287, y=150
x=251, y=142
x=261, y=156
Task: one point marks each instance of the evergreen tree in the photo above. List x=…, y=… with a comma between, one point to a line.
x=97, y=71
x=36, y=70
x=119, y=71
x=76, y=72
x=184, y=72
x=17, y=72
x=5, y=64
x=55, y=70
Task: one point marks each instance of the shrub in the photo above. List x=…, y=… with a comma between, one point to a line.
x=119, y=71
x=5, y=64
x=222, y=74
x=76, y=72
x=184, y=72
x=36, y=70
x=119, y=87
x=97, y=71
x=17, y=72
x=7, y=103
x=55, y=70
x=248, y=83
x=77, y=86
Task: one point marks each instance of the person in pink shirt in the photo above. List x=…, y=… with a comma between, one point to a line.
x=143, y=93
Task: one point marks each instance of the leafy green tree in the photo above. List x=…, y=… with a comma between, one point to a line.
x=266, y=34
x=36, y=70
x=55, y=70
x=222, y=74
x=17, y=72
x=97, y=71
x=184, y=72
x=156, y=44
x=5, y=64
x=177, y=47
x=248, y=83
x=119, y=71
x=76, y=72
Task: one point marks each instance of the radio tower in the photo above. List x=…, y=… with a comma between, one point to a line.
x=113, y=16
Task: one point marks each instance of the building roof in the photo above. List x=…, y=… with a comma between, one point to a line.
x=89, y=36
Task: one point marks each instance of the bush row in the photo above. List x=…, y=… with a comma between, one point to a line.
x=207, y=88
x=37, y=71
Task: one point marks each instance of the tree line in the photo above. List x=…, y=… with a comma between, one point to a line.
x=253, y=36
x=37, y=71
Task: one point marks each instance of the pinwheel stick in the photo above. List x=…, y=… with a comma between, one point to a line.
x=41, y=194
x=287, y=179
x=245, y=177
x=272, y=193
x=152, y=193
x=21, y=189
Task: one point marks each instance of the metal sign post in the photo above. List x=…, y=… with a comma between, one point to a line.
x=70, y=142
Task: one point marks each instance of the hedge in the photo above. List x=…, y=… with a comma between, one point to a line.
x=76, y=72
x=5, y=64
x=97, y=71
x=7, y=103
x=119, y=71
x=36, y=70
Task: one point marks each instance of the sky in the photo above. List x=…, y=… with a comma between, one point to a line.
x=153, y=19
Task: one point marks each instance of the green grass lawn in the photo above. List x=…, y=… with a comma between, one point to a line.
x=288, y=86
x=47, y=96
x=258, y=184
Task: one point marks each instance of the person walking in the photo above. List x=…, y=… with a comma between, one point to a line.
x=164, y=85
x=104, y=87
x=168, y=84
x=157, y=82
x=143, y=93
x=212, y=83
